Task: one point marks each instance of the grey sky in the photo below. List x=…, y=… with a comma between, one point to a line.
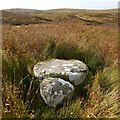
x=53, y=4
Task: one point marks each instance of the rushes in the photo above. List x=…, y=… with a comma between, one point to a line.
x=24, y=46
x=21, y=97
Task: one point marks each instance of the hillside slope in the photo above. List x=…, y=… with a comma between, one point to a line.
x=26, y=16
x=30, y=37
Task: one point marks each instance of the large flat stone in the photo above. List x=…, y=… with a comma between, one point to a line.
x=74, y=70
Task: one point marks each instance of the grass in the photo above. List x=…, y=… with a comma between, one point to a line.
x=25, y=45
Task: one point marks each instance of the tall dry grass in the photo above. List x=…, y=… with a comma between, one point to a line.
x=25, y=45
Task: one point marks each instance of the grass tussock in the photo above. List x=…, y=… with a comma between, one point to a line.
x=25, y=45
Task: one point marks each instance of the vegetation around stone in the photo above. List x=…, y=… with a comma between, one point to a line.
x=66, y=36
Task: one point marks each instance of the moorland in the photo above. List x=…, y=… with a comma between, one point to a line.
x=31, y=36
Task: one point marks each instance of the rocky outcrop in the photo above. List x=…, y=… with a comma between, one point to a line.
x=74, y=70
x=55, y=90
x=58, y=79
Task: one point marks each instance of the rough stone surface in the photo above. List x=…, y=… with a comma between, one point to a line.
x=74, y=70
x=55, y=90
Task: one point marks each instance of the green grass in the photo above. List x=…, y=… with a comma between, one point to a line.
x=97, y=97
x=24, y=46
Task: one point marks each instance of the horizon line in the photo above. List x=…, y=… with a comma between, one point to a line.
x=62, y=8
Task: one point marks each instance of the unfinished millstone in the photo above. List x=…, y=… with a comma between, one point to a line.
x=55, y=91
x=74, y=70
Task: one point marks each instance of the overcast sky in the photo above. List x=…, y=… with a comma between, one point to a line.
x=54, y=4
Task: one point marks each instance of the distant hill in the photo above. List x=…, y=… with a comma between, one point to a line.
x=62, y=10
x=17, y=10
x=31, y=16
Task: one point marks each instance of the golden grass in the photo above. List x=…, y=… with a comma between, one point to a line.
x=25, y=45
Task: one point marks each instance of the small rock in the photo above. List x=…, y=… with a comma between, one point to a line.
x=55, y=91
